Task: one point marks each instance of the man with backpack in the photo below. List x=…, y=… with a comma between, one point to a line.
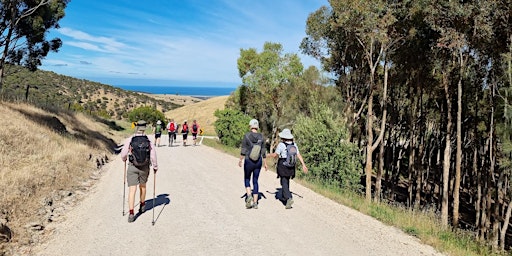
x=288, y=153
x=195, y=130
x=171, y=130
x=253, y=154
x=140, y=153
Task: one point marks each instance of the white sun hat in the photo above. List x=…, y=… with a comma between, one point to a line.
x=286, y=134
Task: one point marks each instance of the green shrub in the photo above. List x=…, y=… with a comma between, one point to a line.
x=331, y=159
x=231, y=125
x=149, y=114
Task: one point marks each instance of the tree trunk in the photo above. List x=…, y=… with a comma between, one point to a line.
x=369, y=151
x=383, y=105
x=378, y=181
x=478, y=201
x=505, y=226
x=458, y=156
x=447, y=153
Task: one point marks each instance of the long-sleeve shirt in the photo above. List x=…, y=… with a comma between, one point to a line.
x=126, y=150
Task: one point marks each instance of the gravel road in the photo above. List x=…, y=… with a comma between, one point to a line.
x=200, y=210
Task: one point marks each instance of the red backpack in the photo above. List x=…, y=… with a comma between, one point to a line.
x=171, y=127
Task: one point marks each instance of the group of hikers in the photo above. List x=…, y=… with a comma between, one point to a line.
x=172, y=129
x=139, y=155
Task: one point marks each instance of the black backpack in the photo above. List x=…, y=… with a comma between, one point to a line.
x=291, y=155
x=140, y=150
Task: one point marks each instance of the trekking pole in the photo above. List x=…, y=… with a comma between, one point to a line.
x=154, y=188
x=124, y=185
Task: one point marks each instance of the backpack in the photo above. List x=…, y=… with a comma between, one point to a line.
x=291, y=155
x=185, y=128
x=140, y=147
x=255, y=152
x=172, y=128
x=194, y=128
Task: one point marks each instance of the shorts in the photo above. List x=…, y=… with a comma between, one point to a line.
x=185, y=135
x=136, y=176
x=194, y=135
x=158, y=135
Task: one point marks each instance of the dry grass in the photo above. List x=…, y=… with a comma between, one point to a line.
x=43, y=154
x=176, y=99
x=201, y=111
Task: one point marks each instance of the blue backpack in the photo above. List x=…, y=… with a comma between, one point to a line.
x=291, y=155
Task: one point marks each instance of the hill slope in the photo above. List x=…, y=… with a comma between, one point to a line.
x=201, y=111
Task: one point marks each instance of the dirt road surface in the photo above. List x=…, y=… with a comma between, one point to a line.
x=200, y=210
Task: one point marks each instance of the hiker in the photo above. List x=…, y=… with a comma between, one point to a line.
x=287, y=152
x=195, y=130
x=184, y=132
x=253, y=154
x=157, y=130
x=135, y=149
x=171, y=131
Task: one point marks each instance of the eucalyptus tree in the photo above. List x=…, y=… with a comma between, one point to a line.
x=363, y=28
x=24, y=25
x=267, y=75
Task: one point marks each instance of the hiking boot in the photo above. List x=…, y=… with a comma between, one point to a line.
x=131, y=218
x=142, y=209
x=248, y=202
x=255, y=206
x=289, y=203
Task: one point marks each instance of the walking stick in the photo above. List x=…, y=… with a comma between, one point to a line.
x=124, y=185
x=154, y=188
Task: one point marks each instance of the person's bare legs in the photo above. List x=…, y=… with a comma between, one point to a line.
x=131, y=199
x=142, y=192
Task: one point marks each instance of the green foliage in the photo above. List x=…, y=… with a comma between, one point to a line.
x=331, y=159
x=149, y=114
x=231, y=125
x=265, y=76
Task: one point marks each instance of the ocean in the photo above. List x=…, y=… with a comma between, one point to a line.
x=202, y=92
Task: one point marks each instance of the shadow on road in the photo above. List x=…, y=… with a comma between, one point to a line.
x=278, y=195
x=162, y=199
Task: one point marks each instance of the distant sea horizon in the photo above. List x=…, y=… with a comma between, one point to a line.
x=194, y=91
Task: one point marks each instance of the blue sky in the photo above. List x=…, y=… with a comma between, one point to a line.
x=173, y=42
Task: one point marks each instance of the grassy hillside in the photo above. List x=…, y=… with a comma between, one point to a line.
x=50, y=90
x=47, y=159
x=201, y=111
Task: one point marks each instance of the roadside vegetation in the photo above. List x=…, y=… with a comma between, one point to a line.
x=424, y=225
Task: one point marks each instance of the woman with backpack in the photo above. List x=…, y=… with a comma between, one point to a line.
x=288, y=153
x=253, y=154
x=184, y=132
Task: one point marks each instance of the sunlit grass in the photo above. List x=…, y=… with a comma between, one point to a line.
x=36, y=162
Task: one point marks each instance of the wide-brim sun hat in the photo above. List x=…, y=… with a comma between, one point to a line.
x=254, y=124
x=286, y=134
x=141, y=125
x=158, y=122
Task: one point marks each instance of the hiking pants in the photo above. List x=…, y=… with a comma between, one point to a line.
x=285, y=183
x=252, y=168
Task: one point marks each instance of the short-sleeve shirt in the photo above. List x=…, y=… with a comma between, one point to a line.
x=281, y=149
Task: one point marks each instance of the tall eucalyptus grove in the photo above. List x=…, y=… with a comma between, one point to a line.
x=445, y=67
